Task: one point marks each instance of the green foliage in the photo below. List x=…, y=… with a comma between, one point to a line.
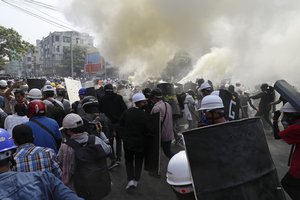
x=79, y=53
x=12, y=47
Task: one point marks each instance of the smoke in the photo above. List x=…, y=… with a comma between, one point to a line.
x=252, y=41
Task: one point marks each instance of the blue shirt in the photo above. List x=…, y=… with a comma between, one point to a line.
x=34, y=186
x=41, y=136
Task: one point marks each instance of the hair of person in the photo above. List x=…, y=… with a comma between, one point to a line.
x=19, y=91
x=22, y=134
x=21, y=109
x=48, y=94
x=79, y=129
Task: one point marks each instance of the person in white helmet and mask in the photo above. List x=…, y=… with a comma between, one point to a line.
x=179, y=175
x=134, y=122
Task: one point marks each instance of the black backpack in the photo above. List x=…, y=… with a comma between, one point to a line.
x=56, y=112
x=91, y=176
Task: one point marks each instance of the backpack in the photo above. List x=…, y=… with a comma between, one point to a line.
x=56, y=112
x=91, y=176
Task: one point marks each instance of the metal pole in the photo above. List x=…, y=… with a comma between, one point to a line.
x=71, y=51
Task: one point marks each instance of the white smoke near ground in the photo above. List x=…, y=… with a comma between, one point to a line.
x=252, y=41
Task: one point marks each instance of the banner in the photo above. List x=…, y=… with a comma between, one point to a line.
x=72, y=87
x=232, y=161
x=152, y=149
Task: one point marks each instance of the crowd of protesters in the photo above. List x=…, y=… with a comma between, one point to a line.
x=48, y=132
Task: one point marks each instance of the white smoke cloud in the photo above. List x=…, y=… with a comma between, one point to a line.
x=252, y=40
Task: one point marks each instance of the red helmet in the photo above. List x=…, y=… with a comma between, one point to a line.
x=36, y=107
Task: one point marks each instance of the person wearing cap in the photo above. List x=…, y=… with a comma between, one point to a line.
x=31, y=158
x=213, y=108
x=74, y=129
x=61, y=96
x=134, y=122
x=166, y=118
x=27, y=185
x=113, y=106
x=291, y=135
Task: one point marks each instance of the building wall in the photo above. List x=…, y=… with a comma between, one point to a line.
x=50, y=49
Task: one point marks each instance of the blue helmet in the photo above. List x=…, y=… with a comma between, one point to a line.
x=6, y=144
x=82, y=91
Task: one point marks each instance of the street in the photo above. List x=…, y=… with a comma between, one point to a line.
x=151, y=188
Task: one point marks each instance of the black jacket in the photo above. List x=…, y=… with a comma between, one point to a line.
x=112, y=105
x=135, y=129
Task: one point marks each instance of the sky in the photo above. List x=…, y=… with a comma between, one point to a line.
x=28, y=26
x=249, y=41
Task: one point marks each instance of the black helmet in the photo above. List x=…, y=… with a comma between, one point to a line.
x=156, y=92
x=264, y=86
x=61, y=91
x=108, y=88
x=90, y=104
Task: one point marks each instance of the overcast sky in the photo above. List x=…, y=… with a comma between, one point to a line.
x=28, y=26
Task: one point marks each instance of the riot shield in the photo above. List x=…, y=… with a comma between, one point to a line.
x=152, y=149
x=288, y=92
x=232, y=161
x=35, y=83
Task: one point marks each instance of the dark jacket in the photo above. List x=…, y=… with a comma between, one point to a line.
x=112, y=105
x=135, y=129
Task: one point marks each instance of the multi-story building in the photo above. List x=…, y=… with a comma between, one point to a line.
x=50, y=50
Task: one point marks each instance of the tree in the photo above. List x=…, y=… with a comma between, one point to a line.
x=178, y=66
x=12, y=47
x=79, y=54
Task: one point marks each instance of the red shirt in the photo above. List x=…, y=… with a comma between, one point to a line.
x=291, y=135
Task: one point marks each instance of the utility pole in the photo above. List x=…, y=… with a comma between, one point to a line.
x=71, y=51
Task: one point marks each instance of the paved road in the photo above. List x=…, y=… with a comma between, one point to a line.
x=151, y=188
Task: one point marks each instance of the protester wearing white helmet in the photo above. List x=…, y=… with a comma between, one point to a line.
x=179, y=176
x=213, y=107
x=3, y=89
x=135, y=125
x=34, y=93
x=291, y=135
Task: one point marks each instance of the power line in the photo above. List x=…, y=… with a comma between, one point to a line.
x=62, y=22
x=38, y=16
x=44, y=5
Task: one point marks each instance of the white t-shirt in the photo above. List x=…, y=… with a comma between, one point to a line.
x=12, y=120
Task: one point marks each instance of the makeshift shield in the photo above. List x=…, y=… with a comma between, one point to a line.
x=231, y=105
x=289, y=93
x=232, y=161
x=152, y=149
x=35, y=83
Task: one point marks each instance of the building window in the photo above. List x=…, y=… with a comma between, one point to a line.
x=77, y=40
x=28, y=59
x=66, y=39
x=57, y=48
x=57, y=38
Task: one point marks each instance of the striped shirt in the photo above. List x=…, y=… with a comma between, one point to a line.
x=31, y=158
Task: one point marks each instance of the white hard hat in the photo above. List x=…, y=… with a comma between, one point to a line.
x=138, y=97
x=24, y=87
x=48, y=82
x=204, y=86
x=48, y=88
x=178, y=170
x=288, y=108
x=72, y=120
x=211, y=102
x=35, y=94
x=216, y=92
x=3, y=83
